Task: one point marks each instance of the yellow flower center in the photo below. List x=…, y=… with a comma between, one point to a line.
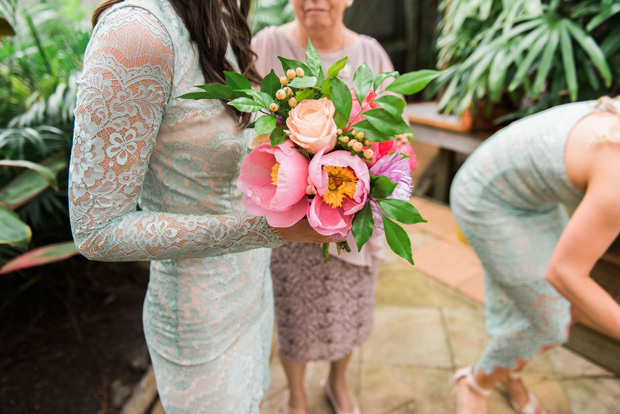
x=274, y=173
x=342, y=183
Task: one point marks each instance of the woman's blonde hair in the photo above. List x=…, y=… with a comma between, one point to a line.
x=612, y=105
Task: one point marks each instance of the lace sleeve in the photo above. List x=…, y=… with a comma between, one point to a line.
x=122, y=96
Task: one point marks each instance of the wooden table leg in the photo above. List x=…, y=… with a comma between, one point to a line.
x=443, y=178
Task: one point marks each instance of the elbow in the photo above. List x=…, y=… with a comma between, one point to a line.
x=86, y=245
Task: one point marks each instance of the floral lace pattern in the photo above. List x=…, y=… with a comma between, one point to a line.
x=209, y=297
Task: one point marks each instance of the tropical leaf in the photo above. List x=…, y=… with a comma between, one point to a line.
x=40, y=256
x=14, y=231
x=31, y=183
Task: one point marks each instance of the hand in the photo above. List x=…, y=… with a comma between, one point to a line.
x=302, y=232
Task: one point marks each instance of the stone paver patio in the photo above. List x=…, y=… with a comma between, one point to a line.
x=428, y=322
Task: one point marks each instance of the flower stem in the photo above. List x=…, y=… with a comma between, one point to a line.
x=325, y=247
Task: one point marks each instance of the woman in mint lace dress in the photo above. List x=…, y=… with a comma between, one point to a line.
x=208, y=312
x=508, y=199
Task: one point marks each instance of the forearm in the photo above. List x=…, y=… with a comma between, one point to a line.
x=158, y=236
x=590, y=299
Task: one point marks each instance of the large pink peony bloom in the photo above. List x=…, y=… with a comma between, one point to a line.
x=273, y=182
x=341, y=182
x=367, y=104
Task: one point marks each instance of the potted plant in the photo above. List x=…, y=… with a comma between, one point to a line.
x=531, y=53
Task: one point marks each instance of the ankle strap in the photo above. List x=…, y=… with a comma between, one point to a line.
x=471, y=381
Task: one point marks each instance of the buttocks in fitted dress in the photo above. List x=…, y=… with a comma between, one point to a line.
x=508, y=199
x=208, y=312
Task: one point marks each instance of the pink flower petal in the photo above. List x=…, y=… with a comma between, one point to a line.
x=289, y=217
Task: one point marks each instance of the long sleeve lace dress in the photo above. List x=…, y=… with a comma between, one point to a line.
x=208, y=310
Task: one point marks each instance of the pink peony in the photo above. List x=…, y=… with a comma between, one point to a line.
x=311, y=125
x=273, y=182
x=367, y=104
x=341, y=182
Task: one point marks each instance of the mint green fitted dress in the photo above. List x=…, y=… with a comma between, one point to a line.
x=508, y=200
x=208, y=312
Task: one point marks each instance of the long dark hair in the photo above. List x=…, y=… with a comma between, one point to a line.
x=203, y=19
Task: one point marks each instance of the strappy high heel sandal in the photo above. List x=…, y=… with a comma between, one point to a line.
x=334, y=403
x=532, y=403
x=471, y=382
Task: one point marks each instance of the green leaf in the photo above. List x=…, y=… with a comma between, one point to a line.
x=381, y=187
x=497, y=75
x=41, y=256
x=305, y=94
x=341, y=121
x=43, y=171
x=383, y=76
x=212, y=91
x=370, y=132
x=526, y=64
x=392, y=104
x=30, y=183
x=246, y=105
x=341, y=97
x=261, y=97
x=305, y=82
x=265, y=124
x=335, y=69
x=545, y=63
x=401, y=211
x=383, y=121
x=236, y=80
x=313, y=60
x=14, y=231
x=363, y=226
x=326, y=86
x=397, y=239
x=413, y=82
x=293, y=64
x=270, y=84
x=278, y=136
x=591, y=48
x=362, y=81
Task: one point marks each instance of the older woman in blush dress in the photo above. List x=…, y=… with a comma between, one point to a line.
x=324, y=307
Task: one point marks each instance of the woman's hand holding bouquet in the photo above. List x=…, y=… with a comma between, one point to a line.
x=335, y=155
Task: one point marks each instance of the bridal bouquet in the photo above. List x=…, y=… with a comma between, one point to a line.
x=333, y=154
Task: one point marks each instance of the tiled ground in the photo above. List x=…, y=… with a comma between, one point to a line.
x=429, y=322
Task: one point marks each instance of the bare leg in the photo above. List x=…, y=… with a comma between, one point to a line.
x=338, y=383
x=295, y=371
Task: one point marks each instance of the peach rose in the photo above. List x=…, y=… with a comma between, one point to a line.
x=311, y=125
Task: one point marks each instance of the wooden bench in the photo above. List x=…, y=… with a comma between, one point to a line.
x=449, y=134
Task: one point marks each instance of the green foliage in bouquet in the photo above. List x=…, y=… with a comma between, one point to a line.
x=306, y=80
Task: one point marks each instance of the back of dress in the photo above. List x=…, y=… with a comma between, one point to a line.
x=522, y=167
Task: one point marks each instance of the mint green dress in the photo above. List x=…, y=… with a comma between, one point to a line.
x=208, y=311
x=508, y=199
